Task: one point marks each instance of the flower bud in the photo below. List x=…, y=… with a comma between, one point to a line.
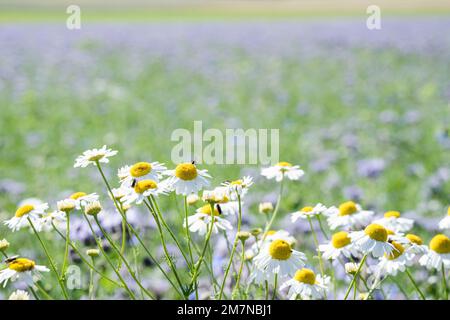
x=243, y=235
x=93, y=208
x=66, y=205
x=93, y=252
x=351, y=268
x=256, y=231
x=192, y=199
x=265, y=207
x=4, y=245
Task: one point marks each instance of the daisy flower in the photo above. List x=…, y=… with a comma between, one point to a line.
x=393, y=221
x=19, y=295
x=201, y=220
x=238, y=187
x=82, y=198
x=282, y=169
x=306, y=212
x=20, y=219
x=93, y=156
x=57, y=217
x=187, y=179
x=415, y=245
x=141, y=171
x=445, y=223
x=278, y=257
x=340, y=244
x=349, y=215
x=66, y=205
x=306, y=284
x=391, y=264
x=373, y=239
x=438, y=254
x=144, y=189
x=221, y=197
x=21, y=268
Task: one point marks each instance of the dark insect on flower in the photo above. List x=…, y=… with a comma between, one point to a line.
x=133, y=183
x=193, y=162
x=11, y=259
x=219, y=209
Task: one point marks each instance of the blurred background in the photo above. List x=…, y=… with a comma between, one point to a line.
x=365, y=112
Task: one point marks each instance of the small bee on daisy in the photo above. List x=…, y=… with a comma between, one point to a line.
x=308, y=212
x=238, y=187
x=144, y=189
x=391, y=264
x=373, y=239
x=438, y=254
x=93, y=156
x=340, y=244
x=445, y=223
x=140, y=171
x=201, y=220
x=25, y=212
x=82, y=198
x=187, y=179
x=392, y=220
x=278, y=257
x=348, y=216
x=281, y=170
x=306, y=285
x=23, y=269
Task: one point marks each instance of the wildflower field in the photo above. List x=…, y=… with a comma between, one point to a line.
x=356, y=208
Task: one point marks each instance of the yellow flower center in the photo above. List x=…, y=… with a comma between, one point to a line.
x=440, y=244
x=23, y=210
x=347, y=208
x=77, y=195
x=307, y=209
x=270, y=232
x=414, y=239
x=140, y=169
x=206, y=209
x=280, y=250
x=96, y=157
x=390, y=232
x=237, y=182
x=448, y=211
x=22, y=265
x=284, y=164
x=186, y=171
x=376, y=232
x=340, y=239
x=305, y=276
x=397, y=252
x=144, y=185
x=392, y=214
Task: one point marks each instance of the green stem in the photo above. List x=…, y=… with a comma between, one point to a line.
x=91, y=282
x=52, y=264
x=415, y=284
x=130, y=227
x=356, y=275
x=124, y=241
x=74, y=248
x=233, y=250
x=321, y=227
x=275, y=286
x=66, y=249
x=241, y=267
x=188, y=233
x=44, y=293
x=316, y=242
x=127, y=265
x=199, y=263
x=444, y=282
x=100, y=246
x=163, y=242
x=275, y=211
x=154, y=204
